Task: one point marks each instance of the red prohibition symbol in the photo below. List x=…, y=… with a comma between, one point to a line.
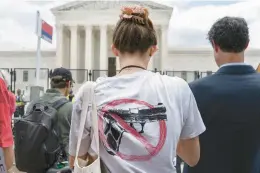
x=151, y=150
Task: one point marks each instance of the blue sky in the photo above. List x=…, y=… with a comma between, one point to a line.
x=188, y=26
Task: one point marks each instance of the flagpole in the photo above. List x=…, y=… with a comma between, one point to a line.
x=38, y=57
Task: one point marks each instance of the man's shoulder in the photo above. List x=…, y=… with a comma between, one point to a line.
x=202, y=81
x=54, y=99
x=66, y=107
x=255, y=75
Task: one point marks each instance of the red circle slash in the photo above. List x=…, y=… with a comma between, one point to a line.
x=152, y=150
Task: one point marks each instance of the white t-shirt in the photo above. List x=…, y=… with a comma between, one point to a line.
x=142, y=116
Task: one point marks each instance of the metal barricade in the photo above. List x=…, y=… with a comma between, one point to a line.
x=188, y=76
x=94, y=74
x=80, y=76
x=206, y=73
x=22, y=78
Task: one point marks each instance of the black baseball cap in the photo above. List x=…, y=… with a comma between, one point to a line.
x=63, y=72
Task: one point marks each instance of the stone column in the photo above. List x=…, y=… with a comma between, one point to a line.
x=60, y=42
x=88, y=47
x=164, y=46
x=73, y=47
x=103, y=48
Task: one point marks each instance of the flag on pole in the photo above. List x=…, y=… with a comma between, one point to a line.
x=47, y=31
x=43, y=29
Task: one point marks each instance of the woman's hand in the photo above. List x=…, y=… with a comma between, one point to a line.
x=71, y=161
x=86, y=157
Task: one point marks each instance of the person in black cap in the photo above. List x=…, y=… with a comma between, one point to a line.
x=61, y=78
x=61, y=82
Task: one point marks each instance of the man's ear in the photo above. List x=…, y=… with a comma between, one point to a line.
x=247, y=45
x=68, y=84
x=215, y=47
x=114, y=50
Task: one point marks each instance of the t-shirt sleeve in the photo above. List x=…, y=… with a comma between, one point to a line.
x=193, y=124
x=6, y=135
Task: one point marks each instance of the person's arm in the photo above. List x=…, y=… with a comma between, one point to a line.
x=6, y=135
x=9, y=157
x=64, y=123
x=74, y=131
x=189, y=150
x=188, y=147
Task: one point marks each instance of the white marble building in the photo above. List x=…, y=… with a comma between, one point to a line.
x=84, y=30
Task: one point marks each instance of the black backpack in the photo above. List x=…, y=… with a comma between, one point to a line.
x=37, y=145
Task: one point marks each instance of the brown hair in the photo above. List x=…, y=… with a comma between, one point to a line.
x=58, y=82
x=134, y=31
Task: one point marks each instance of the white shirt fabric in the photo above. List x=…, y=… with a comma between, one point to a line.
x=165, y=104
x=233, y=64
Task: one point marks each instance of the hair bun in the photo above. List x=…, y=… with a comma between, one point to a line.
x=137, y=14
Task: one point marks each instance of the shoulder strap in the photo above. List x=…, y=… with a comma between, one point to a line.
x=88, y=101
x=57, y=104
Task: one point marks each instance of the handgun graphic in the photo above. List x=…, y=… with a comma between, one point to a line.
x=141, y=115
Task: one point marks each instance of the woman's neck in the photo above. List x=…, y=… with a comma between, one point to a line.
x=140, y=63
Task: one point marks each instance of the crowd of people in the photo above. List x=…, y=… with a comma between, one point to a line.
x=145, y=119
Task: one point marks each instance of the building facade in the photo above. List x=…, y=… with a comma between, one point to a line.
x=182, y=62
x=84, y=38
x=84, y=33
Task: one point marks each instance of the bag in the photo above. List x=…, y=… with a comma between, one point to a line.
x=2, y=162
x=256, y=166
x=88, y=102
x=37, y=144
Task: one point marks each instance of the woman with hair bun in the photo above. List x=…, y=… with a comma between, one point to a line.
x=145, y=118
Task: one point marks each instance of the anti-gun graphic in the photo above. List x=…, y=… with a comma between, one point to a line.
x=142, y=115
x=113, y=132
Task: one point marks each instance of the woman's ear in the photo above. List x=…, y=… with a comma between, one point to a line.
x=153, y=50
x=114, y=50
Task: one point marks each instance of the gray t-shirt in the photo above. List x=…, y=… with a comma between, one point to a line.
x=141, y=118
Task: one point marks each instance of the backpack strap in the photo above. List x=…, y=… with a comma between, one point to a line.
x=57, y=104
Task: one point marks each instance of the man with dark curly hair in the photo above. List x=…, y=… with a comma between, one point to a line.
x=229, y=103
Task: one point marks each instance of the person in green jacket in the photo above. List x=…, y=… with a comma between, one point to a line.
x=61, y=82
